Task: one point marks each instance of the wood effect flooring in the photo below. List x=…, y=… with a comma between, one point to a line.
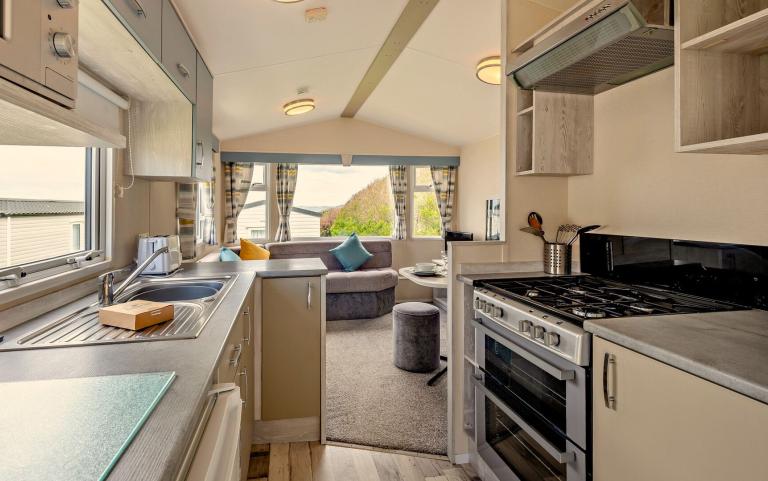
x=318, y=462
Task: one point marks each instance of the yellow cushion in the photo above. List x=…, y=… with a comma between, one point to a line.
x=250, y=251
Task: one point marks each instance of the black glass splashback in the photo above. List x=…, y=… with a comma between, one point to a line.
x=726, y=272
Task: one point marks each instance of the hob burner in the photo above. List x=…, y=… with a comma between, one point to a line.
x=589, y=312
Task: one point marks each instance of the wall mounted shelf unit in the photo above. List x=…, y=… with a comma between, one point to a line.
x=721, y=76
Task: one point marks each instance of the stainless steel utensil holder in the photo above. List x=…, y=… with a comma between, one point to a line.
x=557, y=259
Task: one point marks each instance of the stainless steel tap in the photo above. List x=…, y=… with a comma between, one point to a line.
x=107, y=291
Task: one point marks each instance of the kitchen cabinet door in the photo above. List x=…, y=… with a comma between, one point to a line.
x=291, y=348
x=179, y=54
x=204, y=122
x=665, y=424
x=144, y=19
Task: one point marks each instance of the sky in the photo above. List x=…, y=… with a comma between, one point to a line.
x=50, y=173
x=333, y=185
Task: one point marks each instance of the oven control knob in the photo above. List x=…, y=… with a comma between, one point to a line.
x=538, y=332
x=498, y=312
x=63, y=45
x=552, y=339
x=524, y=326
x=476, y=303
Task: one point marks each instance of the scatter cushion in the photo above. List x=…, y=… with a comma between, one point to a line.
x=250, y=251
x=351, y=254
x=228, y=255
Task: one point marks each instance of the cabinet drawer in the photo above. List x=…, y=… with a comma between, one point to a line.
x=144, y=19
x=233, y=356
x=179, y=54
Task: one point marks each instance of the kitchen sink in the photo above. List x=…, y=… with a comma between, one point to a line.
x=194, y=300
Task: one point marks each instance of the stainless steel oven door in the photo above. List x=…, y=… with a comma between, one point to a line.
x=516, y=452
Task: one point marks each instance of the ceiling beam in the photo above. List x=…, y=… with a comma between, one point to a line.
x=413, y=16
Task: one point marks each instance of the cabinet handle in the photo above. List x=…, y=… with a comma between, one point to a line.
x=238, y=352
x=199, y=159
x=247, y=314
x=309, y=295
x=140, y=10
x=244, y=374
x=184, y=70
x=609, y=363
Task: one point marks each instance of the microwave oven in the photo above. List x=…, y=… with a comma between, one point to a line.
x=38, y=47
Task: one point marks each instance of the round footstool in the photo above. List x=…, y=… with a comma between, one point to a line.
x=416, y=335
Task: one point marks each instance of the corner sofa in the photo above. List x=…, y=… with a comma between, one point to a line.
x=365, y=293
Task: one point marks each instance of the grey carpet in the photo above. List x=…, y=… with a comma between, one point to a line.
x=373, y=403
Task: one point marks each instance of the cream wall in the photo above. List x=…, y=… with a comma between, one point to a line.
x=641, y=187
x=479, y=179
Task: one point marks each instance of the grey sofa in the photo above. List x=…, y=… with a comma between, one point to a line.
x=362, y=294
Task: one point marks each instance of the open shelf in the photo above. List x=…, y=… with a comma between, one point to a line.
x=749, y=145
x=524, y=100
x=748, y=35
x=525, y=142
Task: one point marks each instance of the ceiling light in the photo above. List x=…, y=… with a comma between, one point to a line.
x=298, y=107
x=288, y=1
x=489, y=70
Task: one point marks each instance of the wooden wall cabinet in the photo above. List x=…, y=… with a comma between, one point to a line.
x=144, y=20
x=179, y=54
x=554, y=133
x=666, y=424
x=721, y=76
x=292, y=317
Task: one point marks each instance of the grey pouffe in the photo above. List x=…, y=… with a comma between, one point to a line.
x=416, y=334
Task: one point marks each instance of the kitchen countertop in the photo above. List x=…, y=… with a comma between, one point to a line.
x=157, y=451
x=727, y=348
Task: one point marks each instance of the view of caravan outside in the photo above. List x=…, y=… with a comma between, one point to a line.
x=42, y=203
x=335, y=201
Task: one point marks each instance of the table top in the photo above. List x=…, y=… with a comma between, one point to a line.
x=435, y=282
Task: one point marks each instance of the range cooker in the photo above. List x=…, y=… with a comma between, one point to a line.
x=532, y=378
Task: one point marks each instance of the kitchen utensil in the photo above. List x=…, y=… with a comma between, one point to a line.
x=564, y=233
x=557, y=258
x=582, y=230
x=536, y=232
x=535, y=220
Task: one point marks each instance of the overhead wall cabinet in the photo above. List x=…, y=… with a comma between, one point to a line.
x=553, y=133
x=652, y=421
x=721, y=76
x=171, y=88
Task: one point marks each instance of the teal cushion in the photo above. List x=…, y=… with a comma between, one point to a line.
x=351, y=254
x=228, y=255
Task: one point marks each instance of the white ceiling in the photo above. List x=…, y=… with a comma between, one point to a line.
x=261, y=52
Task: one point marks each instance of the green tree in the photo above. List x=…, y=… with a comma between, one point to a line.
x=427, y=215
x=368, y=213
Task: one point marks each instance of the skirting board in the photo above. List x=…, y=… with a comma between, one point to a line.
x=286, y=430
x=482, y=468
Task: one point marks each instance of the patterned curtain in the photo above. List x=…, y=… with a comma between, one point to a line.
x=444, y=180
x=398, y=178
x=237, y=183
x=207, y=200
x=186, y=211
x=286, y=187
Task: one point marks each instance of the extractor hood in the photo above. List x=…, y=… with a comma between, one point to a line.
x=606, y=45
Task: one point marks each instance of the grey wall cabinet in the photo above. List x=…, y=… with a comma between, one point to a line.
x=179, y=55
x=144, y=19
x=204, y=122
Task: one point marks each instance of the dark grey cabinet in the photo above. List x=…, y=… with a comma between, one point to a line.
x=144, y=19
x=204, y=122
x=178, y=52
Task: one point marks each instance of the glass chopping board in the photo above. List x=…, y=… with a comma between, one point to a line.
x=73, y=429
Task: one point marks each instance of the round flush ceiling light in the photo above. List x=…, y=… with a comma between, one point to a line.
x=288, y=1
x=298, y=107
x=489, y=70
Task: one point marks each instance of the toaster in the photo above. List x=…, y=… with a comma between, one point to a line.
x=166, y=263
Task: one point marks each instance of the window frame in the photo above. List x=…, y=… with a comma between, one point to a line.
x=262, y=187
x=54, y=271
x=414, y=189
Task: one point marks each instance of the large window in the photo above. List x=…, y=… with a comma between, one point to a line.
x=333, y=201
x=252, y=222
x=49, y=206
x=426, y=216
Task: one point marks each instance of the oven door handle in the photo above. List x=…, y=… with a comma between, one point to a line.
x=560, y=456
x=557, y=373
